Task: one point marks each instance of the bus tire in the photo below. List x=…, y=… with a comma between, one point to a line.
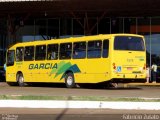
x=69, y=80
x=20, y=80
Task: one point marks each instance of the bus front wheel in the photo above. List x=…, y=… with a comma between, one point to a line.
x=20, y=80
x=69, y=80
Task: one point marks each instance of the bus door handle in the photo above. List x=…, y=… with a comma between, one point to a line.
x=129, y=52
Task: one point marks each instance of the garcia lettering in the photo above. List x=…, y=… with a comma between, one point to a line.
x=43, y=66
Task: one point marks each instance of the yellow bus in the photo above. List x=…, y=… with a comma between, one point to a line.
x=87, y=59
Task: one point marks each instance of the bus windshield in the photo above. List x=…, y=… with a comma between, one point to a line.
x=128, y=43
x=10, y=57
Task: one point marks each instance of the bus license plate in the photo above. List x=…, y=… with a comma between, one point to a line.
x=129, y=68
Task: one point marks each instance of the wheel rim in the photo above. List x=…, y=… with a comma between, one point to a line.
x=21, y=80
x=69, y=80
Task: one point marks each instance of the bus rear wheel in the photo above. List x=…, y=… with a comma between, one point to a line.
x=69, y=80
x=20, y=80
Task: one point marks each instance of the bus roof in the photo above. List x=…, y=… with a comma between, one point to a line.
x=70, y=39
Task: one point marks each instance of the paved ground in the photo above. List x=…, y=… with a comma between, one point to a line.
x=51, y=90
x=73, y=111
x=77, y=114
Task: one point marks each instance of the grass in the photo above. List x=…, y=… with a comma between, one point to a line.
x=76, y=98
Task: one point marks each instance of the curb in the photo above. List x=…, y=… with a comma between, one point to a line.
x=79, y=104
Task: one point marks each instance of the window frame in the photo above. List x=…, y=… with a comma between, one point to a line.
x=65, y=52
x=40, y=53
x=32, y=53
x=93, y=56
x=56, y=53
x=74, y=51
x=20, y=55
x=103, y=48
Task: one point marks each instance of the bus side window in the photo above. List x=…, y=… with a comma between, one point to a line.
x=29, y=53
x=40, y=52
x=94, y=49
x=52, y=52
x=19, y=54
x=65, y=51
x=79, y=50
x=105, y=48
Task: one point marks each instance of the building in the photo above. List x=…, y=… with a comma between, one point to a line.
x=28, y=20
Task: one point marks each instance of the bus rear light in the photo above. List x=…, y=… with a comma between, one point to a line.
x=144, y=67
x=114, y=66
